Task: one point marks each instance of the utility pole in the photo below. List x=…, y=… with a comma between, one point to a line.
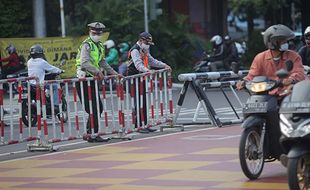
x=62, y=18
x=39, y=18
x=146, y=20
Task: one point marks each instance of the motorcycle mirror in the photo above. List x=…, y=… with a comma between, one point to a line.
x=235, y=67
x=282, y=73
x=289, y=65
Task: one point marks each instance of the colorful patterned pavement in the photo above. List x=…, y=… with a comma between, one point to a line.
x=199, y=160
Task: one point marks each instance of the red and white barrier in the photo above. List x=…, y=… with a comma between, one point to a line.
x=117, y=95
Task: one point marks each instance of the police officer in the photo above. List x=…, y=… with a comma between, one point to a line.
x=89, y=63
x=140, y=61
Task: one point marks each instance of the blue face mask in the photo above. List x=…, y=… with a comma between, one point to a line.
x=284, y=47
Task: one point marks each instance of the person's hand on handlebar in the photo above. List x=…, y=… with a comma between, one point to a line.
x=240, y=84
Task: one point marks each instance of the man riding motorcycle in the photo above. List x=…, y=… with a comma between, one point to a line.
x=266, y=63
x=37, y=66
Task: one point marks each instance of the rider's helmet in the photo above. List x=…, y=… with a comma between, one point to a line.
x=277, y=34
x=36, y=51
x=227, y=39
x=216, y=40
x=11, y=49
x=307, y=36
x=146, y=37
x=109, y=44
x=123, y=47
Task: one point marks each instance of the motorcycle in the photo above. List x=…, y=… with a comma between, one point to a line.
x=259, y=141
x=33, y=103
x=295, y=125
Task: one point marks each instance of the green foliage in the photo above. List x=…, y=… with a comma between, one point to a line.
x=15, y=18
x=123, y=18
x=255, y=45
x=174, y=43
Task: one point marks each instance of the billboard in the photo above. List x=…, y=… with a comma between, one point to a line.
x=56, y=49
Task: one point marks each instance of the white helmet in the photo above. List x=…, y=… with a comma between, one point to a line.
x=217, y=40
x=109, y=44
x=307, y=35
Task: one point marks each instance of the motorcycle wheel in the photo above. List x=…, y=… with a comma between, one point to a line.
x=25, y=118
x=250, y=156
x=65, y=113
x=298, y=173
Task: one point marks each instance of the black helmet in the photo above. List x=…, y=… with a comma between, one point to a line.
x=147, y=37
x=11, y=49
x=275, y=33
x=36, y=51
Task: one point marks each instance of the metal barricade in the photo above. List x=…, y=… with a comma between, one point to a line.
x=200, y=81
x=68, y=119
x=12, y=135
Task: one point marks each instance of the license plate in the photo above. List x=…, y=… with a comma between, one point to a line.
x=256, y=107
x=295, y=107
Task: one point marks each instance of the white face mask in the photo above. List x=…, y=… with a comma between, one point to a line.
x=284, y=47
x=95, y=38
x=145, y=47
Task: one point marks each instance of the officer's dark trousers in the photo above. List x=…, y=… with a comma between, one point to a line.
x=86, y=103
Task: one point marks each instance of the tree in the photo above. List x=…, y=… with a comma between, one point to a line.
x=16, y=18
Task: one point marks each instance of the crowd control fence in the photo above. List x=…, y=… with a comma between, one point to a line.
x=31, y=113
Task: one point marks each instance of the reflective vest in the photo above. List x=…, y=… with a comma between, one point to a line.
x=96, y=54
x=144, y=56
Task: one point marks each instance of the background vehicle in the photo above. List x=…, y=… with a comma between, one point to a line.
x=295, y=125
x=33, y=104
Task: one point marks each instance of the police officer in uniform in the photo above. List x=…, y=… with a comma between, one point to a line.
x=89, y=63
x=140, y=61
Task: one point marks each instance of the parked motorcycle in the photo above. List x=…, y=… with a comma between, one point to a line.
x=259, y=141
x=33, y=103
x=295, y=127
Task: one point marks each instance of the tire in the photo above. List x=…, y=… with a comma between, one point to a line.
x=251, y=160
x=298, y=173
x=25, y=114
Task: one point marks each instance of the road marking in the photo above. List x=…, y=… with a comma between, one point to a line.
x=104, y=145
x=211, y=137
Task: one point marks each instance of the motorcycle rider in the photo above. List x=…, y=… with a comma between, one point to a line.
x=112, y=54
x=266, y=63
x=13, y=62
x=37, y=65
x=123, y=58
x=218, y=54
x=231, y=52
x=89, y=63
x=304, y=51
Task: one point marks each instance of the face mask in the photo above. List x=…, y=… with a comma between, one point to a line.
x=95, y=38
x=284, y=47
x=144, y=46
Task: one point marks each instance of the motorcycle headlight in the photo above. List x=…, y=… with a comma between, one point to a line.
x=260, y=86
x=288, y=130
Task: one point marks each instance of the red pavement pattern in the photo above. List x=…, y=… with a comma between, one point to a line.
x=198, y=160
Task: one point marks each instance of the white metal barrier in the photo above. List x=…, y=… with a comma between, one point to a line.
x=67, y=121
